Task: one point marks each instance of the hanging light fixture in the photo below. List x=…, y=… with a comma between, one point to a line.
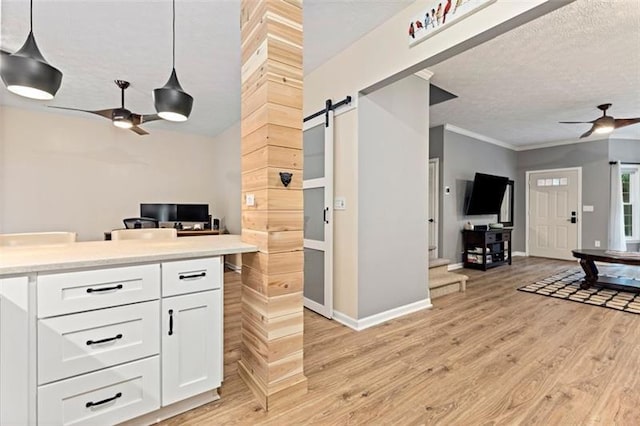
x=27, y=73
x=171, y=101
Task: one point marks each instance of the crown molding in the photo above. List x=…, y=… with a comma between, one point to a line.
x=424, y=74
x=558, y=143
x=469, y=133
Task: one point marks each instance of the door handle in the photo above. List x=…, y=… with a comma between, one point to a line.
x=104, y=401
x=170, y=322
x=431, y=221
x=326, y=215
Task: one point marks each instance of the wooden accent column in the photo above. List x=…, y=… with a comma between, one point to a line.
x=272, y=308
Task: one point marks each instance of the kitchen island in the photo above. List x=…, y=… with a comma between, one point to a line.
x=106, y=332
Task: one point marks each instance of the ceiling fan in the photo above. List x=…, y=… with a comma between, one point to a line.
x=121, y=117
x=606, y=123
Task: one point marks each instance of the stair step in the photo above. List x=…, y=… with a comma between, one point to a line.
x=436, y=282
x=434, y=263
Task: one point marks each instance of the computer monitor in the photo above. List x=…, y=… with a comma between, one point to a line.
x=160, y=212
x=193, y=212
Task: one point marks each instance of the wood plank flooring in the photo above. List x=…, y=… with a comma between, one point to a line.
x=492, y=355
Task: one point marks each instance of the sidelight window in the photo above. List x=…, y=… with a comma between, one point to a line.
x=631, y=202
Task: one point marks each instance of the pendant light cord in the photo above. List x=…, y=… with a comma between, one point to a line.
x=174, y=33
x=31, y=16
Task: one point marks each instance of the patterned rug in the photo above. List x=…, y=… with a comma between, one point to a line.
x=566, y=285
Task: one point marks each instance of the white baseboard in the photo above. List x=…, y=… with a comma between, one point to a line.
x=454, y=266
x=234, y=268
x=518, y=253
x=370, y=321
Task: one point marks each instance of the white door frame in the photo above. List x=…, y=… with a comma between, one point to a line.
x=326, y=246
x=436, y=207
x=526, y=202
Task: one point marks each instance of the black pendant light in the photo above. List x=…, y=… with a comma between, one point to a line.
x=171, y=101
x=27, y=73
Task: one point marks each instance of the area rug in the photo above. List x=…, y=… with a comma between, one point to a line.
x=566, y=285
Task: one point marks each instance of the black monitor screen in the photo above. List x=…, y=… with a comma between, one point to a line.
x=161, y=212
x=193, y=212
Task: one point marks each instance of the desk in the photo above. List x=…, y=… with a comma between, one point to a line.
x=588, y=257
x=181, y=233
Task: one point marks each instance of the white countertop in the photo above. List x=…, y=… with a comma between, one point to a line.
x=56, y=257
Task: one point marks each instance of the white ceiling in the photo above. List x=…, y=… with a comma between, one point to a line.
x=94, y=42
x=516, y=87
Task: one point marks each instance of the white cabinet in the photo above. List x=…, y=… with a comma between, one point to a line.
x=102, y=398
x=109, y=344
x=191, y=345
x=14, y=351
x=69, y=345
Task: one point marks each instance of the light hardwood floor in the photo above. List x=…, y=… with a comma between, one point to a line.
x=492, y=355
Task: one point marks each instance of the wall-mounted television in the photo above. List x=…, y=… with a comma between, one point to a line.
x=486, y=195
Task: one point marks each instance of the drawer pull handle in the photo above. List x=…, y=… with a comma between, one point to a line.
x=170, y=322
x=104, y=401
x=97, y=290
x=190, y=277
x=108, y=339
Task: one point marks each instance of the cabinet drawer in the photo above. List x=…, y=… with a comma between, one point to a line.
x=491, y=238
x=105, y=397
x=75, y=344
x=69, y=292
x=189, y=276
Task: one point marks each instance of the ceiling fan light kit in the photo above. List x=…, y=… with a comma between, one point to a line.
x=171, y=101
x=27, y=73
x=605, y=124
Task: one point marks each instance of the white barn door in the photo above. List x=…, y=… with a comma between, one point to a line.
x=318, y=214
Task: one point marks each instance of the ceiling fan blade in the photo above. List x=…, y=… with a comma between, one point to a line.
x=587, y=134
x=106, y=113
x=621, y=122
x=576, y=122
x=139, y=130
x=4, y=52
x=144, y=118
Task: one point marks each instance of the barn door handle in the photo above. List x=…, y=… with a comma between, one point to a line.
x=326, y=215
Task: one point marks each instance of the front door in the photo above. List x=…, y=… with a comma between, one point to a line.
x=318, y=218
x=553, y=215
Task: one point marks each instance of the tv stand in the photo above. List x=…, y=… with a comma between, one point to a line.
x=484, y=249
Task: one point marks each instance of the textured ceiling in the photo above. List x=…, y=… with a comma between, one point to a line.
x=516, y=87
x=94, y=42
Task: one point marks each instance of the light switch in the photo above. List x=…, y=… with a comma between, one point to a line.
x=339, y=203
x=586, y=208
x=250, y=200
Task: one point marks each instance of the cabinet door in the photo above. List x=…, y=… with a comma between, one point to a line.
x=191, y=345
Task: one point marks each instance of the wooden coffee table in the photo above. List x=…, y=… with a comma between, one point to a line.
x=588, y=257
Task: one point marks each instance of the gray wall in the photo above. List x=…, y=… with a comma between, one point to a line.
x=624, y=150
x=593, y=157
x=463, y=157
x=393, y=157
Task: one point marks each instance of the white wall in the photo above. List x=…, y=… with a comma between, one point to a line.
x=67, y=173
x=226, y=175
